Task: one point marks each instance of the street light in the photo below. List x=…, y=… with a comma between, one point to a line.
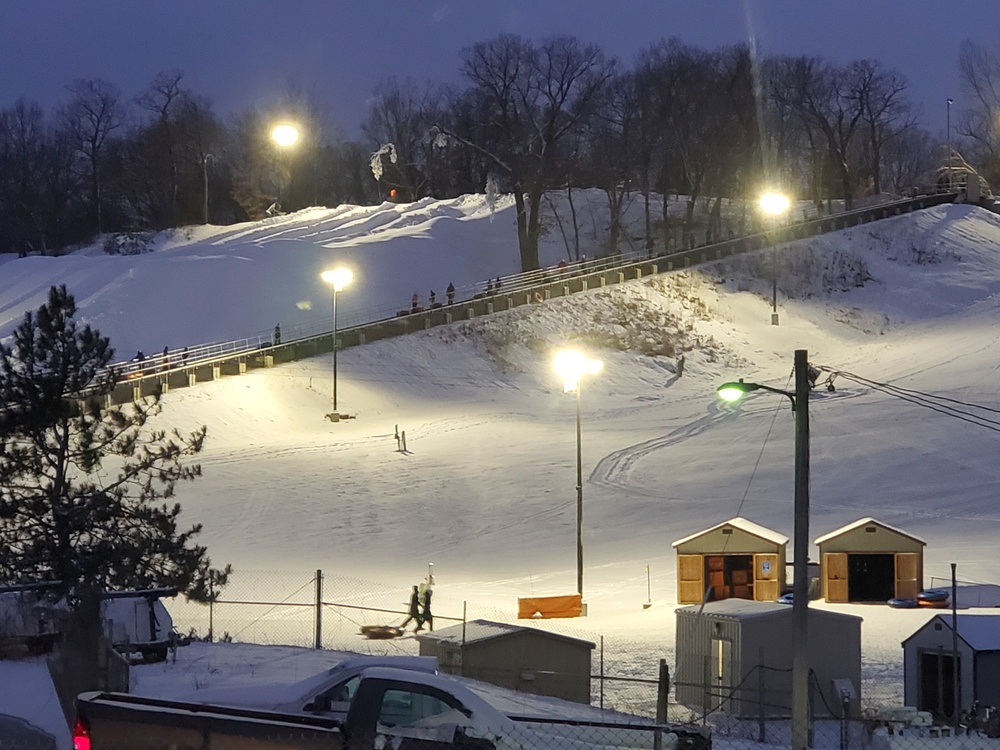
x=285, y=134
x=338, y=278
x=774, y=205
x=805, y=377
x=571, y=365
x=950, y=102
x=204, y=174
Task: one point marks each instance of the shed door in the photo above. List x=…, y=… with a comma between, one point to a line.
x=765, y=578
x=690, y=579
x=835, y=576
x=907, y=585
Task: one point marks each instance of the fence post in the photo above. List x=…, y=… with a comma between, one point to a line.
x=761, y=727
x=319, y=610
x=662, y=691
x=602, y=672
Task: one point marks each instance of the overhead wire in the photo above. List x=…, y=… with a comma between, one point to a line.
x=934, y=402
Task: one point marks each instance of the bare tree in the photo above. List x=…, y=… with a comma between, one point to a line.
x=980, y=72
x=401, y=113
x=93, y=113
x=535, y=97
x=163, y=98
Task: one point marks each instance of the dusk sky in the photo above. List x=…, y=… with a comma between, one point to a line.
x=242, y=52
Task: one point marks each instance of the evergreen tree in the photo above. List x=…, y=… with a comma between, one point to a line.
x=83, y=484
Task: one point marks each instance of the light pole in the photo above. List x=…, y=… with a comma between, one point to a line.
x=285, y=135
x=338, y=278
x=204, y=174
x=571, y=365
x=804, y=376
x=950, y=101
x=774, y=205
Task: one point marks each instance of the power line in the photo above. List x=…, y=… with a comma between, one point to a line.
x=936, y=403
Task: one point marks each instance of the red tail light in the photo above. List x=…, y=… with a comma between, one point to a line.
x=81, y=734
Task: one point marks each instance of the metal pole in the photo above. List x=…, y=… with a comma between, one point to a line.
x=774, y=283
x=579, y=496
x=204, y=170
x=334, y=348
x=319, y=610
x=956, y=689
x=949, y=145
x=800, y=586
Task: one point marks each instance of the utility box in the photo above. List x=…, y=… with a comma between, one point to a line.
x=734, y=559
x=735, y=656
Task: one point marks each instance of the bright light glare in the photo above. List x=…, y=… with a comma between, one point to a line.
x=571, y=365
x=731, y=391
x=774, y=203
x=285, y=135
x=339, y=277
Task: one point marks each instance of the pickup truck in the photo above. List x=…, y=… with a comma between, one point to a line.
x=391, y=709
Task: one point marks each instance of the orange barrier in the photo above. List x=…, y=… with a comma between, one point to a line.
x=544, y=607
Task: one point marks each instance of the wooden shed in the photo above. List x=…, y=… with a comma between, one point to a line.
x=736, y=558
x=870, y=561
x=929, y=663
x=736, y=656
x=523, y=658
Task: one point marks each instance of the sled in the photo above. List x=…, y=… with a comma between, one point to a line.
x=381, y=632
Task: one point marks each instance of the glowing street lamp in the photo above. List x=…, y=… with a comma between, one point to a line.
x=805, y=377
x=285, y=135
x=774, y=205
x=571, y=365
x=338, y=278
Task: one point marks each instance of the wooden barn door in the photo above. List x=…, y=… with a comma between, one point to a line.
x=907, y=585
x=835, y=576
x=766, y=583
x=690, y=579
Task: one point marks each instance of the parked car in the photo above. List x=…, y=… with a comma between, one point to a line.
x=392, y=708
x=327, y=694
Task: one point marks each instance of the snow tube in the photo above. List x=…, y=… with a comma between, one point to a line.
x=903, y=603
x=785, y=598
x=934, y=595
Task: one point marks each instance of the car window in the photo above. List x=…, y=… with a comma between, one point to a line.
x=407, y=708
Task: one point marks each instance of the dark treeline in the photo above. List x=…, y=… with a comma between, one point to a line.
x=529, y=117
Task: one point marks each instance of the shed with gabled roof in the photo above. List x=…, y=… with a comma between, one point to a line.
x=870, y=561
x=520, y=657
x=733, y=559
x=734, y=656
x=929, y=660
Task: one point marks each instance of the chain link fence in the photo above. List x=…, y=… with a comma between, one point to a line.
x=318, y=610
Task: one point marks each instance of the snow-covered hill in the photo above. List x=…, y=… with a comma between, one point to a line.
x=487, y=490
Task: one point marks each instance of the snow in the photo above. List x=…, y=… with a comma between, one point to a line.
x=858, y=524
x=487, y=489
x=743, y=525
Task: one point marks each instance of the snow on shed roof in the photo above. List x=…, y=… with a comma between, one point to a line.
x=484, y=630
x=743, y=525
x=742, y=609
x=864, y=522
x=980, y=632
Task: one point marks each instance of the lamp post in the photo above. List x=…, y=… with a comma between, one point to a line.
x=204, y=174
x=571, y=365
x=804, y=376
x=338, y=278
x=285, y=135
x=774, y=205
x=950, y=101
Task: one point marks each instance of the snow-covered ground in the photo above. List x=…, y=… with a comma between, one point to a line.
x=487, y=489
